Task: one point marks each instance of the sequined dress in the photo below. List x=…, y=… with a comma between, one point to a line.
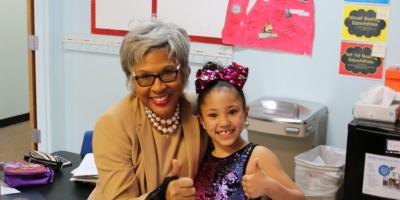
x=221, y=178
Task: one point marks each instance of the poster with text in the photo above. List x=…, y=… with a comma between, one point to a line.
x=369, y=1
x=363, y=60
x=381, y=176
x=365, y=23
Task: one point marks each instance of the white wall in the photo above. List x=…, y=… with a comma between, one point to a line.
x=14, y=94
x=83, y=84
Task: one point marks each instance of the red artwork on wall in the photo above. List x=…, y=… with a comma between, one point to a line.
x=280, y=25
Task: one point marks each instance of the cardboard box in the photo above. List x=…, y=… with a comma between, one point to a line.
x=376, y=112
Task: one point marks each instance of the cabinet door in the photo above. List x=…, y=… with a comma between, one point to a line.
x=363, y=139
x=14, y=84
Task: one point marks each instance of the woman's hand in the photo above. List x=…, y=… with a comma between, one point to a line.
x=181, y=188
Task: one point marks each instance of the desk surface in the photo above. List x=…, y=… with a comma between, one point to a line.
x=62, y=187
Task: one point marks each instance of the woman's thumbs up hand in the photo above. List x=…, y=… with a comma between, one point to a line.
x=176, y=168
x=181, y=188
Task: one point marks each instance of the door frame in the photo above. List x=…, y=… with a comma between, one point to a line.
x=41, y=10
x=31, y=72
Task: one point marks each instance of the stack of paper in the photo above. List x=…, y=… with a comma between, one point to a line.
x=5, y=189
x=86, y=171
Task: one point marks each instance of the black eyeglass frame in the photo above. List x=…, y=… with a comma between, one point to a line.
x=154, y=76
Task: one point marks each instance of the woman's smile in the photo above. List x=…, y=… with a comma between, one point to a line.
x=160, y=100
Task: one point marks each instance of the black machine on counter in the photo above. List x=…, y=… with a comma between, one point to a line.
x=372, y=169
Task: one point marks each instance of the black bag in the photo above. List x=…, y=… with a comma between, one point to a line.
x=44, y=158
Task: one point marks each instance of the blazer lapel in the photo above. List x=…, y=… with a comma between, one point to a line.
x=191, y=137
x=147, y=145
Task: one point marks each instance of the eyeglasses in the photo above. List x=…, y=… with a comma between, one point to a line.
x=166, y=76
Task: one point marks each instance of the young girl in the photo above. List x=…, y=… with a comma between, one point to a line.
x=234, y=168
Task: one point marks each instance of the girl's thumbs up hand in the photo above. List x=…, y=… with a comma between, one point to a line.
x=255, y=182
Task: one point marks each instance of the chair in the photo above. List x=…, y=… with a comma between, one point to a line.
x=87, y=143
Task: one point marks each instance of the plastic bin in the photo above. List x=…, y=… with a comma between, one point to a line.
x=319, y=172
x=392, y=78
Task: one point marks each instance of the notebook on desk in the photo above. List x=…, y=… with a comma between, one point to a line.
x=31, y=195
x=86, y=171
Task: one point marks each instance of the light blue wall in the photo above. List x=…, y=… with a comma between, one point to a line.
x=85, y=84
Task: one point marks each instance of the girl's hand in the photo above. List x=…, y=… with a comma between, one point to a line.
x=256, y=183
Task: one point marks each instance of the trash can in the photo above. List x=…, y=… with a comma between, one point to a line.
x=319, y=172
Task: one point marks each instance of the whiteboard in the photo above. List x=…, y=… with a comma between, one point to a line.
x=200, y=18
x=115, y=17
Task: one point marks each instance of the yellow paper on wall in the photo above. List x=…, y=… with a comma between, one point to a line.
x=365, y=23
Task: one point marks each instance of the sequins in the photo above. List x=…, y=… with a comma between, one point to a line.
x=221, y=178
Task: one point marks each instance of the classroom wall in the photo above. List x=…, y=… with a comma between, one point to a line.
x=85, y=84
x=14, y=99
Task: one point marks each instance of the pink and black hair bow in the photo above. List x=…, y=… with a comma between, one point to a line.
x=234, y=74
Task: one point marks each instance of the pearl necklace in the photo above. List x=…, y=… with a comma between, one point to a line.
x=164, y=126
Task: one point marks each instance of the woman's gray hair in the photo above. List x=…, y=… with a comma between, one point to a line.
x=154, y=34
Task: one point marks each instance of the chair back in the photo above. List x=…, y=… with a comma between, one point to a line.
x=87, y=143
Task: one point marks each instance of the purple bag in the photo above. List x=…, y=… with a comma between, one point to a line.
x=18, y=174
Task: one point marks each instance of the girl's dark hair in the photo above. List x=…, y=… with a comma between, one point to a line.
x=217, y=84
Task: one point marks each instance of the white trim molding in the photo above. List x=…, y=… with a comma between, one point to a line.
x=41, y=20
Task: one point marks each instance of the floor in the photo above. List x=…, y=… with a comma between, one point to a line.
x=15, y=141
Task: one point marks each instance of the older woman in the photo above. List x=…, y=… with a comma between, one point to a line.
x=148, y=145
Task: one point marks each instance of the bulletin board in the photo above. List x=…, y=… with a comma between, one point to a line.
x=203, y=20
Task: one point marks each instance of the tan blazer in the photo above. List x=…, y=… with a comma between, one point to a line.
x=125, y=151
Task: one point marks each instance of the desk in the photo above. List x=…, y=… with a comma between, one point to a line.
x=62, y=187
